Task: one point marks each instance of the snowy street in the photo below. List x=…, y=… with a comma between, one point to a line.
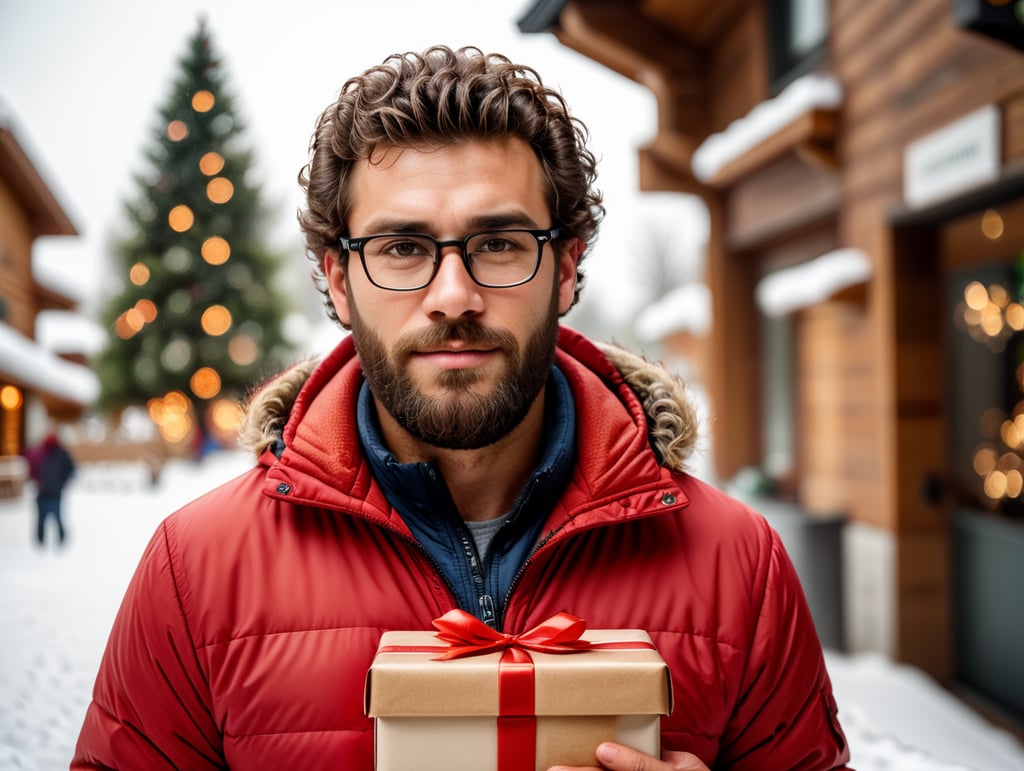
x=56, y=608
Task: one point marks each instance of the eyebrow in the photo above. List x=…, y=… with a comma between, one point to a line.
x=482, y=222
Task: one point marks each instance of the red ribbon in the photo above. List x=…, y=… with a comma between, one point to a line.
x=466, y=635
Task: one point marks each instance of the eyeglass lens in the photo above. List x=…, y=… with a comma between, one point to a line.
x=496, y=258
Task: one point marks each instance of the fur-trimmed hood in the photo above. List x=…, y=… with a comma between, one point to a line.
x=671, y=416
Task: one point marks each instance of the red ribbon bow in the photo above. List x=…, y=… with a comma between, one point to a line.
x=517, y=725
x=466, y=635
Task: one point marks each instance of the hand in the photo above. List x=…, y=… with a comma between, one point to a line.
x=618, y=757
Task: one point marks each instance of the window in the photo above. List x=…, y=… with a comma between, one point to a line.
x=778, y=413
x=797, y=37
x=986, y=379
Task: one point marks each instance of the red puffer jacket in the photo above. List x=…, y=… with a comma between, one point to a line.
x=246, y=633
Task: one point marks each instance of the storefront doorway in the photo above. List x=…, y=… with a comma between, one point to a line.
x=982, y=257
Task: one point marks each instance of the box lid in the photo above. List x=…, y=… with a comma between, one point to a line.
x=593, y=682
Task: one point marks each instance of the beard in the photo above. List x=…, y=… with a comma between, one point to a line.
x=458, y=418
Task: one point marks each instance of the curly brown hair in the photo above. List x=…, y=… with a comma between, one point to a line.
x=443, y=96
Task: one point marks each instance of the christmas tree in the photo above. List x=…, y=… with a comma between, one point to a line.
x=197, y=320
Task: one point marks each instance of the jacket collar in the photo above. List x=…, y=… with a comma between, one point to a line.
x=419, y=491
x=635, y=424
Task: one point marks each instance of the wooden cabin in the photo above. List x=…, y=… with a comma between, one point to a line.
x=862, y=163
x=36, y=385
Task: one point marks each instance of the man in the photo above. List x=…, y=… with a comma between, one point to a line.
x=459, y=449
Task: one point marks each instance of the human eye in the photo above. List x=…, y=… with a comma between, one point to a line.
x=501, y=243
x=399, y=248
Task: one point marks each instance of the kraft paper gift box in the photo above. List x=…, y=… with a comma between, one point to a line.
x=477, y=700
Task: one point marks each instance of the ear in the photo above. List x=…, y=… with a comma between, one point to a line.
x=335, y=275
x=568, y=259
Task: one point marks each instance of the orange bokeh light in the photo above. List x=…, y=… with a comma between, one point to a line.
x=139, y=274
x=220, y=190
x=216, y=320
x=128, y=323
x=148, y=310
x=172, y=415
x=992, y=225
x=211, y=164
x=216, y=250
x=180, y=218
x=203, y=101
x=11, y=398
x=226, y=416
x=243, y=350
x=205, y=383
x=177, y=130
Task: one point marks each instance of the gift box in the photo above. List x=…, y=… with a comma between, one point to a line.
x=470, y=698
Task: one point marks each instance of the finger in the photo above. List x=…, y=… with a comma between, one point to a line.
x=617, y=757
x=683, y=761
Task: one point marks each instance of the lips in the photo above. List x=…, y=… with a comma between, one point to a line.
x=455, y=357
x=453, y=344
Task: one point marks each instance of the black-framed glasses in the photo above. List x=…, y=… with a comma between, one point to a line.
x=497, y=259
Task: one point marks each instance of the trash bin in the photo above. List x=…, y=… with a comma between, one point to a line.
x=815, y=545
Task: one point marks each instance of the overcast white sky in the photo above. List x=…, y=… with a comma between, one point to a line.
x=83, y=80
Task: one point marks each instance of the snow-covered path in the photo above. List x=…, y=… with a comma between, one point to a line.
x=56, y=608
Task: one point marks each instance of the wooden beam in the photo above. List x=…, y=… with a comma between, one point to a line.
x=635, y=46
x=657, y=175
x=811, y=136
x=673, y=149
x=615, y=35
x=700, y=21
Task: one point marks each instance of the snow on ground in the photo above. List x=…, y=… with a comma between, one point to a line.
x=56, y=608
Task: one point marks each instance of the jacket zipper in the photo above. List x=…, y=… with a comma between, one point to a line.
x=522, y=568
x=484, y=600
x=487, y=605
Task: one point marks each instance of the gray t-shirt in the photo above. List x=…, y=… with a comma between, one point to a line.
x=483, y=533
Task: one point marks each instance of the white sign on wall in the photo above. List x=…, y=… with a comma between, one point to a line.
x=958, y=157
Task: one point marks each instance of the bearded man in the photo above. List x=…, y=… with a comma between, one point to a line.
x=460, y=450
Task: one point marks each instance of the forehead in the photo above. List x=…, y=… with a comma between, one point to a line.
x=445, y=187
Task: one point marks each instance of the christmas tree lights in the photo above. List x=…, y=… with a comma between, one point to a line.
x=197, y=320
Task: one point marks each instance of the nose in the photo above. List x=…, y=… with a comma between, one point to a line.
x=452, y=293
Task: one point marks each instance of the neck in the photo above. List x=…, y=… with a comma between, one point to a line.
x=484, y=483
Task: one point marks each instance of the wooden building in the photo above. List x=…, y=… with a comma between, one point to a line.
x=862, y=162
x=36, y=385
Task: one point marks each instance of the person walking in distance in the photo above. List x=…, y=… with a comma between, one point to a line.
x=50, y=466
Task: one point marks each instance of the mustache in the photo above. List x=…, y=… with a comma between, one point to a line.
x=441, y=332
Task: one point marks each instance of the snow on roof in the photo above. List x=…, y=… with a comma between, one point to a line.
x=33, y=188
x=813, y=91
x=812, y=282
x=60, y=282
x=685, y=309
x=33, y=365
x=69, y=332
